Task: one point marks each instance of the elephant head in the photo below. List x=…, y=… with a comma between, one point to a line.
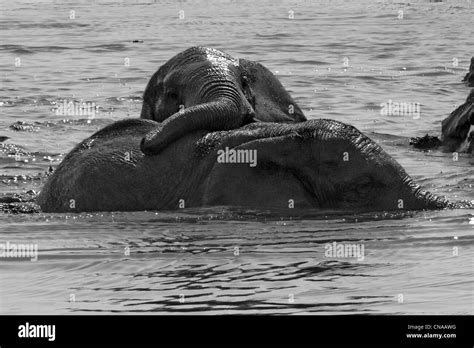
x=203, y=88
x=196, y=76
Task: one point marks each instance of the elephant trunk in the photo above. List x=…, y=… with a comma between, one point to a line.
x=222, y=108
x=423, y=199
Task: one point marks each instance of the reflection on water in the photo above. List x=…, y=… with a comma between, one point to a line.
x=145, y=262
x=340, y=60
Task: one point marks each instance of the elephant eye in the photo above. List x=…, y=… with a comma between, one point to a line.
x=364, y=184
x=172, y=95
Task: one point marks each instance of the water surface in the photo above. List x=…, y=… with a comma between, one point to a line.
x=339, y=59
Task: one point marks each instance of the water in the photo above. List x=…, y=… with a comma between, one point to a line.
x=340, y=60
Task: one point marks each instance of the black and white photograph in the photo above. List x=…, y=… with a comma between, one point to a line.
x=232, y=159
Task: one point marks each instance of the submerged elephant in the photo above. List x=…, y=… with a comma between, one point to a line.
x=455, y=130
x=206, y=89
x=315, y=164
x=469, y=78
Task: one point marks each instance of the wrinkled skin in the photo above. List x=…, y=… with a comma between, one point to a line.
x=206, y=89
x=316, y=164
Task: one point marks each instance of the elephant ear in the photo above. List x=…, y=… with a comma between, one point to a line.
x=271, y=102
x=250, y=97
x=247, y=90
x=146, y=112
x=148, y=102
x=153, y=88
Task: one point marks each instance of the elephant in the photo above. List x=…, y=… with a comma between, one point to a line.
x=455, y=128
x=316, y=164
x=469, y=78
x=205, y=89
x=455, y=135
